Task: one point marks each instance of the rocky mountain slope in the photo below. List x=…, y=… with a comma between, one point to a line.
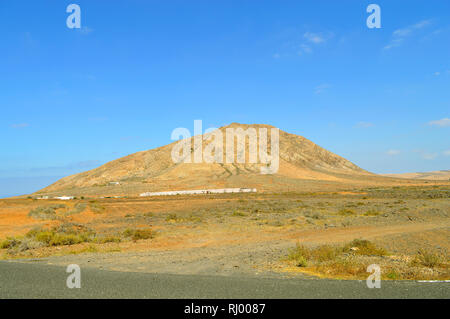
x=154, y=170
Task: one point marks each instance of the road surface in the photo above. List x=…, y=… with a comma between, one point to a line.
x=38, y=280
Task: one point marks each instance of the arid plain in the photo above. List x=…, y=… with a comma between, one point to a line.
x=320, y=215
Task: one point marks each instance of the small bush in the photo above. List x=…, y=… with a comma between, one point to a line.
x=108, y=239
x=427, y=259
x=46, y=212
x=137, y=234
x=172, y=218
x=10, y=243
x=96, y=207
x=372, y=213
x=142, y=234
x=65, y=234
x=326, y=253
x=346, y=212
x=79, y=208
x=301, y=262
x=319, y=254
x=344, y=267
x=238, y=213
x=364, y=247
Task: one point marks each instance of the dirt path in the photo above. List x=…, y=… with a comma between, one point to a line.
x=337, y=235
x=248, y=255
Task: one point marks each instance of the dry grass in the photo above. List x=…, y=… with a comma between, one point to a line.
x=364, y=247
x=136, y=234
x=428, y=259
x=67, y=234
x=46, y=212
x=346, y=212
x=351, y=261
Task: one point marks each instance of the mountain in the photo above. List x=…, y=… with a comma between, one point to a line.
x=300, y=161
x=443, y=175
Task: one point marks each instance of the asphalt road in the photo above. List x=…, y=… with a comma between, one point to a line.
x=35, y=280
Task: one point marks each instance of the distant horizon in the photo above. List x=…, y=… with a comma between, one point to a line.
x=51, y=179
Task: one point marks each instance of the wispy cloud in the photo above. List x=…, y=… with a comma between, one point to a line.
x=297, y=42
x=321, y=88
x=429, y=156
x=304, y=48
x=446, y=153
x=364, y=124
x=400, y=35
x=410, y=29
x=393, y=152
x=426, y=155
x=314, y=37
x=20, y=125
x=85, y=30
x=445, y=122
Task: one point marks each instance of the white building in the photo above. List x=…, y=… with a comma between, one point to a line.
x=64, y=197
x=201, y=191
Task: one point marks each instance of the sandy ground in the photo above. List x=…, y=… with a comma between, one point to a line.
x=240, y=234
x=253, y=256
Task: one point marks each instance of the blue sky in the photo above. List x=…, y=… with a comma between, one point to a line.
x=73, y=99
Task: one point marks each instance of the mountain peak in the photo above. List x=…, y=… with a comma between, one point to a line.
x=154, y=170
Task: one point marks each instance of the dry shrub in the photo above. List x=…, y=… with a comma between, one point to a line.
x=364, y=247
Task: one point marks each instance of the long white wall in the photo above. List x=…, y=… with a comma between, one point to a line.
x=202, y=191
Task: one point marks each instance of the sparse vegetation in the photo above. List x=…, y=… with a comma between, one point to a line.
x=351, y=261
x=346, y=212
x=172, y=218
x=238, y=213
x=372, y=212
x=46, y=212
x=96, y=207
x=137, y=234
x=280, y=215
x=79, y=208
x=429, y=259
x=364, y=247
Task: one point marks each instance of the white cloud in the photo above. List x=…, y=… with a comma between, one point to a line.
x=445, y=122
x=314, y=37
x=399, y=35
x=446, y=153
x=20, y=125
x=393, y=152
x=437, y=73
x=410, y=29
